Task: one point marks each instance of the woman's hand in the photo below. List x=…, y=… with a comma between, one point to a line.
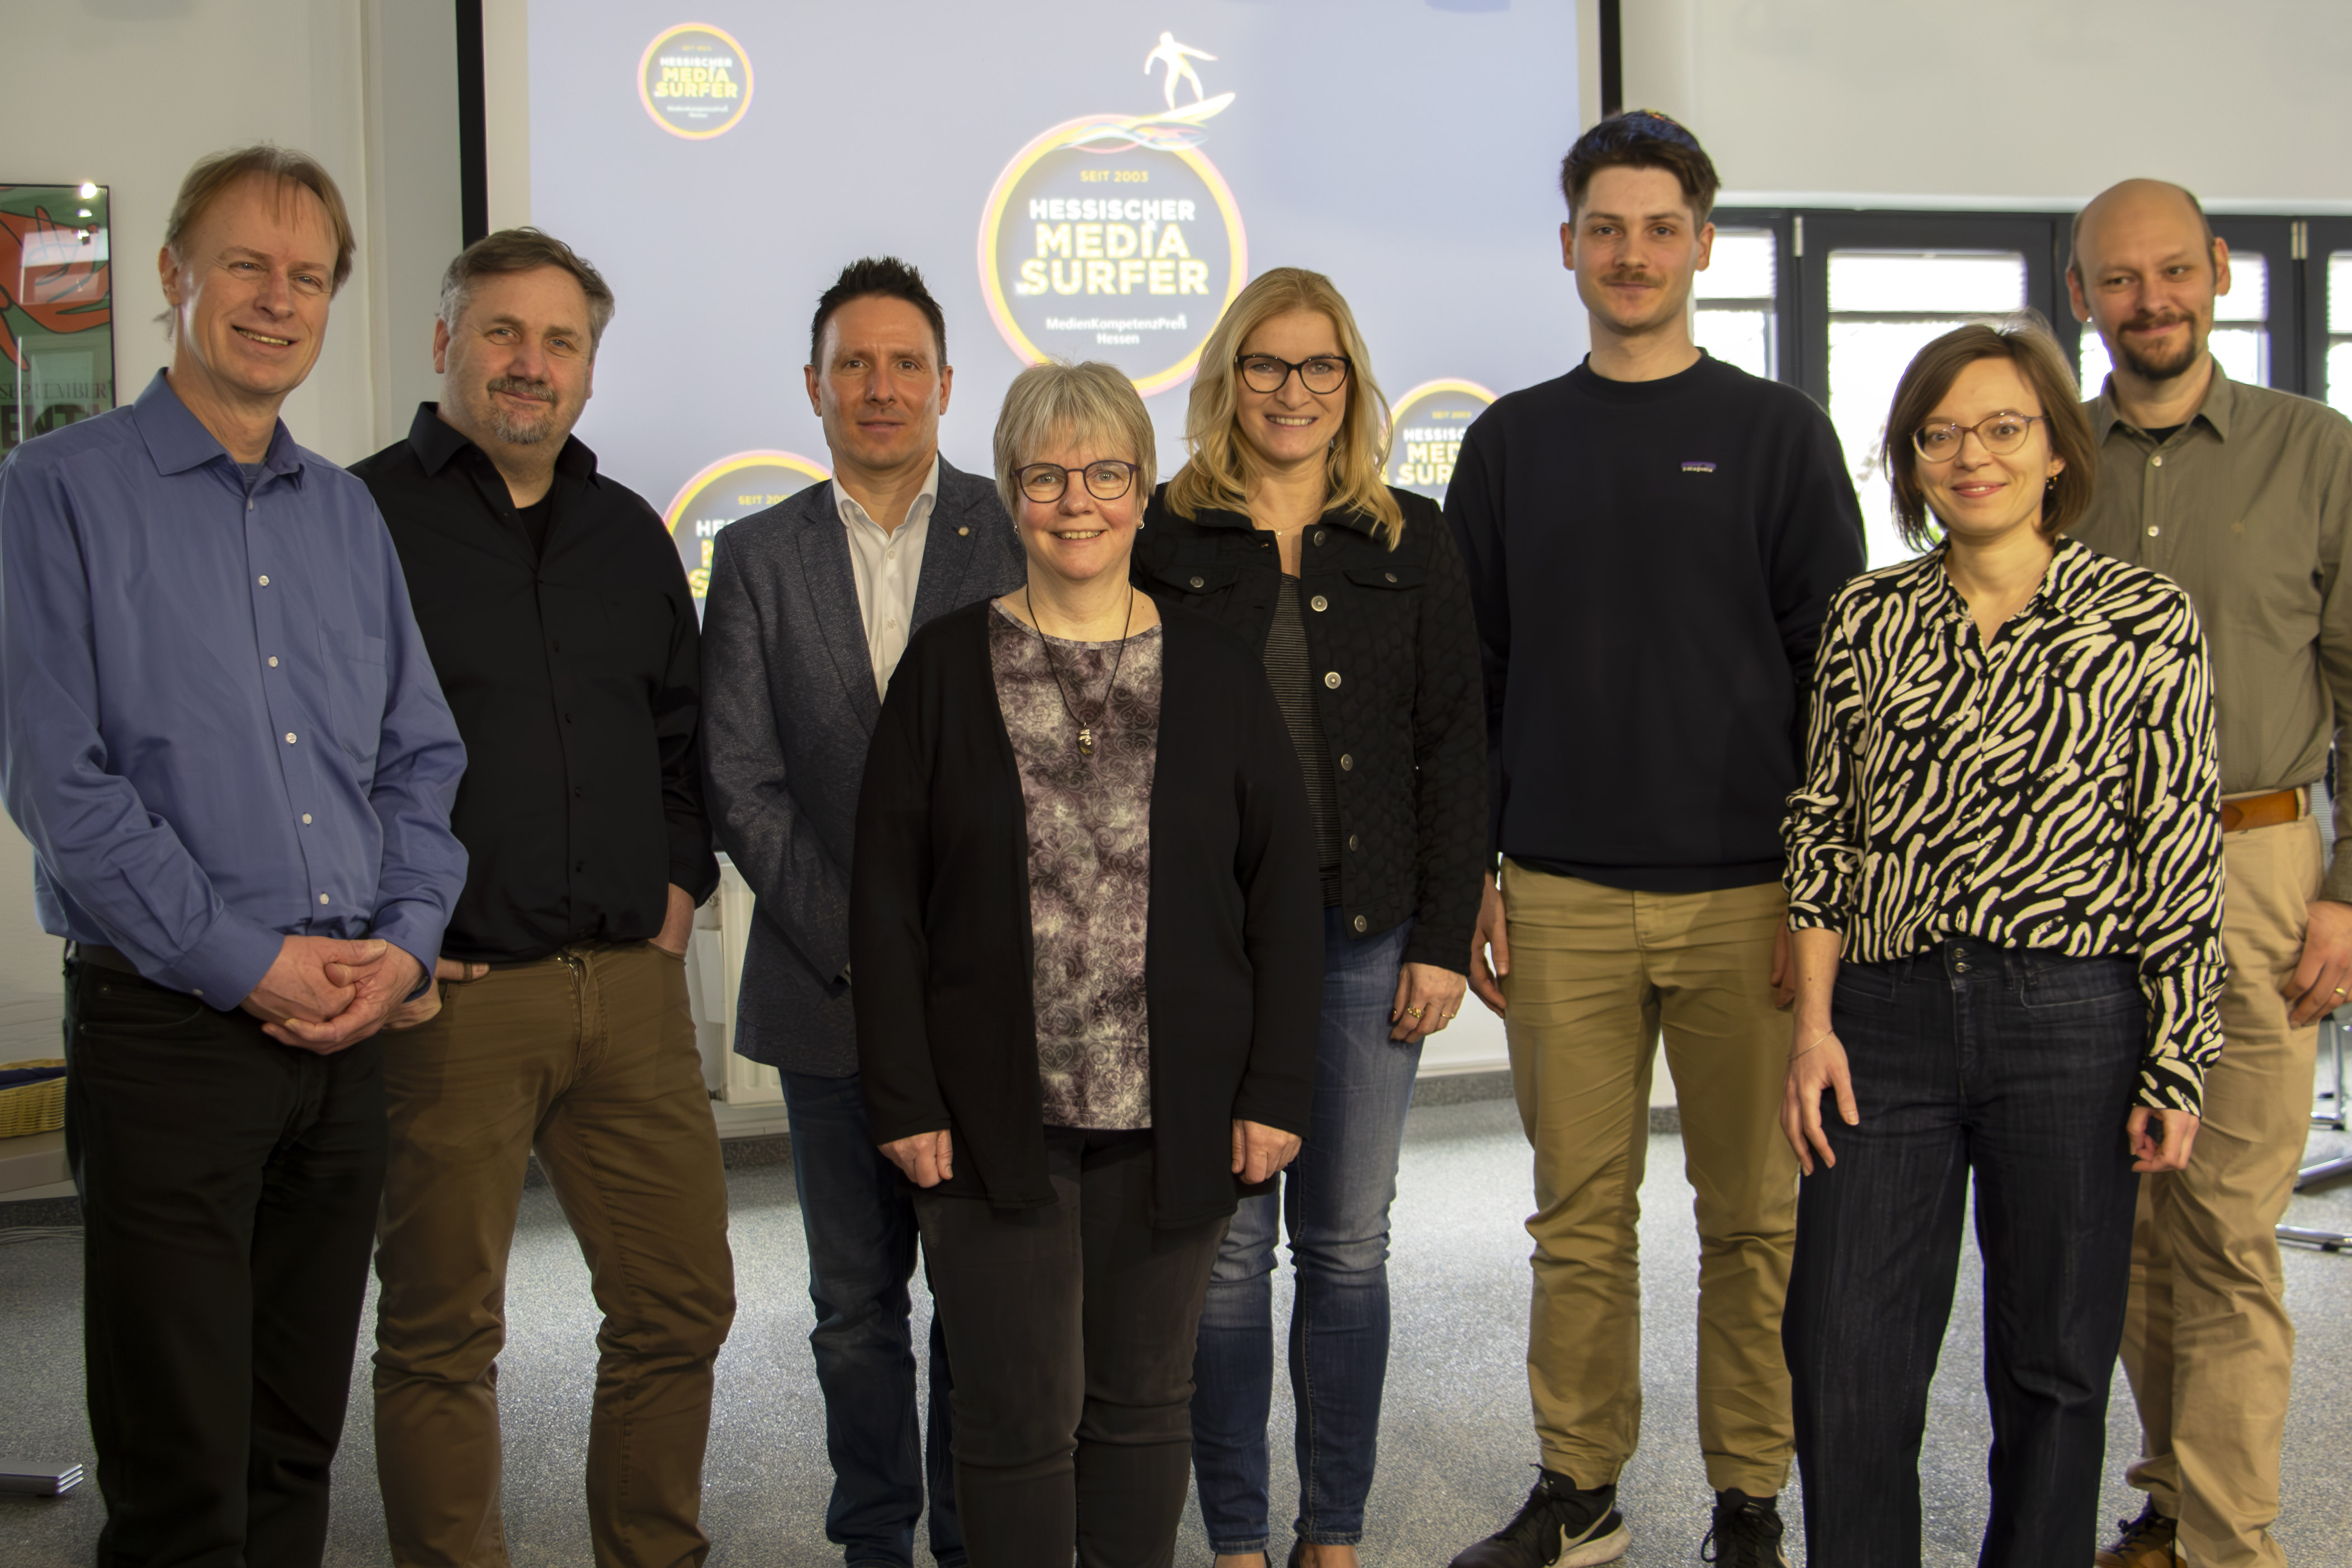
x=1491, y=936
x=1816, y=1065
x=2168, y=1149
x=1259, y=1150
x=1427, y=997
x=928, y=1158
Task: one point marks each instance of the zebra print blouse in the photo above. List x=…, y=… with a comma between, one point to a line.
x=2058, y=790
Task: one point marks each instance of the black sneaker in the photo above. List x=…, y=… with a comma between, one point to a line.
x=1558, y=1527
x=1746, y=1533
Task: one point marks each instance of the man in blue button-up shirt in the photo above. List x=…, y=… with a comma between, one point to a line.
x=228, y=749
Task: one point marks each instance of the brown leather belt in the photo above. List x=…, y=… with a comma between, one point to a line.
x=2262, y=810
x=104, y=957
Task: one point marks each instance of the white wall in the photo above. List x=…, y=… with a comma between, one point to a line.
x=2247, y=104
x=188, y=77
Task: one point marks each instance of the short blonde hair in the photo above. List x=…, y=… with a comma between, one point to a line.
x=1074, y=402
x=1218, y=473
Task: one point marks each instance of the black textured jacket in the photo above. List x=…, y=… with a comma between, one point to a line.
x=1394, y=649
x=939, y=933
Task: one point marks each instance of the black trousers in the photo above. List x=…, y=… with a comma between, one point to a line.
x=2017, y=1068
x=1071, y=1329
x=229, y=1188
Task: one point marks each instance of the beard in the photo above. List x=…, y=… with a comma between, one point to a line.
x=2162, y=364
x=521, y=430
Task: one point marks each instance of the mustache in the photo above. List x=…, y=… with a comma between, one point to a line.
x=516, y=386
x=1635, y=276
x=2150, y=320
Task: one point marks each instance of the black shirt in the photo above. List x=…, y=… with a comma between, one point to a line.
x=1649, y=563
x=533, y=519
x=574, y=674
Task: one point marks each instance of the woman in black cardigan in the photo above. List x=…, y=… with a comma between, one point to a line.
x=1085, y=936
x=1354, y=595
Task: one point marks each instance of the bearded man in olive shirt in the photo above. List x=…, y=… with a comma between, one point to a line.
x=557, y=613
x=2243, y=496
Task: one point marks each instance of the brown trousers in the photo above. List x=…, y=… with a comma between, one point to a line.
x=2209, y=1346
x=589, y=1056
x=1597, y=975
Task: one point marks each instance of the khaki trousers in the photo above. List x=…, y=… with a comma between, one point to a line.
x=1597, y=975
x=590, y=1058
x=2208, y=1345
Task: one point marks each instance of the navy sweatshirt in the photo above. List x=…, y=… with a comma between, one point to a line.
x=1649, y=563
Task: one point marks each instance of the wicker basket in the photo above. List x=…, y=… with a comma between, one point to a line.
x=33, y=1107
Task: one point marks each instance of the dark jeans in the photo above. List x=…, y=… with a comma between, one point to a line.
x=1072, y=1327
x=228, y=1187
x=861, y=1243
x=1335, y=1200
x=2021, y=1068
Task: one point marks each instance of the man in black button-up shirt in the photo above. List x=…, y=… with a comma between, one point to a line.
x=558, y=618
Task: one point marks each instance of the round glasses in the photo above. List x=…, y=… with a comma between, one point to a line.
x=1106, y=481
x=2000, y=435
x=1323, y=374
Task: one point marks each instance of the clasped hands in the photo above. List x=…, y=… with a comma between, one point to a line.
x=328, y=994
x=1259, y=1150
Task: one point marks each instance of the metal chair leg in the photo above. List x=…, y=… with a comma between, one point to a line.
x=2312, y=1175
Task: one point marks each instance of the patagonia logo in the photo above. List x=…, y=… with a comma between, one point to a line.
x=1698, y=467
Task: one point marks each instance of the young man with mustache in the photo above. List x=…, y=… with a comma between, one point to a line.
x=234, y=767
x=2243, y=496
x=558, y=615
x=811, y=603
x=1652, y=541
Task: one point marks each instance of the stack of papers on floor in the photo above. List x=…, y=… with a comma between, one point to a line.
x=34, y=1478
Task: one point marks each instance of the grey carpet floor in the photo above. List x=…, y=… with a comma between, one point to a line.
x=1456, y=1445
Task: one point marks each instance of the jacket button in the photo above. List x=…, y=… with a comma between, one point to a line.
x=1361, y=923
x=1318, y=536
x=1200, y=582
x=1351, y=841
x=1390, y=575
x=1347, y=762
x=1318, y=602
x=1332, y=680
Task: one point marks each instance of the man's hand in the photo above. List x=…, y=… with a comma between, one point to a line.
x=379, y=980
x=1784, y=970
x=678, y=925
x=1427, y=997
x=2320, y=983
x=427, y=1006
x=1817, y=1066
x=299, y=984
x=2168, y=1148
x=1260, y=1150
x=1493, y=935
x=928, y=1158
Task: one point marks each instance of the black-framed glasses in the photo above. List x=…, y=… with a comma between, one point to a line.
x=1106, y=480
x=1322, y=375
x=2000, y=435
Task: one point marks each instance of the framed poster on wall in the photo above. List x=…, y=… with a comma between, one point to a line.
x=56, y=309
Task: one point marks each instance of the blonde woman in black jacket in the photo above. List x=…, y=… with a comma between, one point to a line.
x=1352, y=594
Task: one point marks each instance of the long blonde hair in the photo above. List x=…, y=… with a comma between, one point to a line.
x=1217, y=476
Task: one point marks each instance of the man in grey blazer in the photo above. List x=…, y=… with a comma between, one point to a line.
x=811, y=603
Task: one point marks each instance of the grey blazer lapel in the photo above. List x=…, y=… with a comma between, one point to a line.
x=833, y=592
x=953, y=545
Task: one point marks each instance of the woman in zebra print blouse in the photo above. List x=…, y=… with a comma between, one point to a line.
x=2005, y=881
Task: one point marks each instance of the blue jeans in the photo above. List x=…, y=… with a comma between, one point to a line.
x=860, y=1223
x=2019, y=1068
x=1335, y=1200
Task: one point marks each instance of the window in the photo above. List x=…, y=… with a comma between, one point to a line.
x=2339, y=389
x=1738, y=301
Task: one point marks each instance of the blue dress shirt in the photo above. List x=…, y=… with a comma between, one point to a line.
x=221, y=726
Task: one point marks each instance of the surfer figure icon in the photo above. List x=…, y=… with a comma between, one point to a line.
x=1177, y=57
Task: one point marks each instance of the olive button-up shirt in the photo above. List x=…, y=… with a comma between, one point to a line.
x=2249, y=507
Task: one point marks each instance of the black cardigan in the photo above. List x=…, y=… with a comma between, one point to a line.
x=1405, y=721
x=939, y=941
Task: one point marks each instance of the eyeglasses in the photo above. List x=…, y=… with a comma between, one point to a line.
x=1106, y=481
x=2000, y=435
x=1323, y=374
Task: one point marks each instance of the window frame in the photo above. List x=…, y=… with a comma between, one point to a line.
x=2320, y=238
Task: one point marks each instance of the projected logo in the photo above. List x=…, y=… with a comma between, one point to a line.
x=1113, y=238
x=695, y=81
x=1425, y=428
x=729, y=489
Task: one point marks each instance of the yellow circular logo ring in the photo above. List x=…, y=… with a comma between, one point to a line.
x=1425, y=434
x=1007, y=315
x=731, y=489
x=688, y=78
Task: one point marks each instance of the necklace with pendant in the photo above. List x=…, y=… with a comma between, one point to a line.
x=1102, y=710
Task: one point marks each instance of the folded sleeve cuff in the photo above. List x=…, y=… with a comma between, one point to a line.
x=226, y=966
x=416, y=932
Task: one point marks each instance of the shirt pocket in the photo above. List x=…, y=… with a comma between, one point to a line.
x=357, y=685
x=1195, y=582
